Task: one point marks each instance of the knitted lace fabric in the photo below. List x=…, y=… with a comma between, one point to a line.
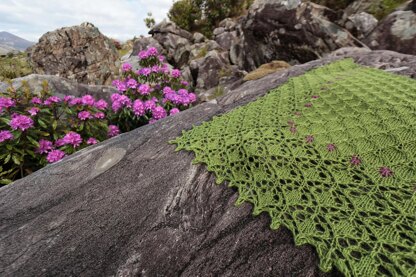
x=331, y=155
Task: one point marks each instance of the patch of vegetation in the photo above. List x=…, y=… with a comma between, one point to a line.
x=202, y=52
x=14, y=66
x=225, y=72
x=219, y=91
x=204, y=15
x=382, y=8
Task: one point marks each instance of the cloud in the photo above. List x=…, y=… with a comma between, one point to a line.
x=120, y=19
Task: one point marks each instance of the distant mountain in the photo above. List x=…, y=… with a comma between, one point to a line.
x=9, y=40
x=5, y=49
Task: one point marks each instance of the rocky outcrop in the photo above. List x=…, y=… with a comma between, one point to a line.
x=287, y=30
x=78, y=53
x=133, y=206
x=174, y=40
x=396, y=32
x=361, y=24
x=60, y=86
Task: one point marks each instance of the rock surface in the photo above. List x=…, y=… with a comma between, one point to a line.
x=396, y=32
x=60, y=86
x=79, y=53
x=132, y=206
x=291, y=31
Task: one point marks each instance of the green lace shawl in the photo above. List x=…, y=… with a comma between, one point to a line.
x=331, y=155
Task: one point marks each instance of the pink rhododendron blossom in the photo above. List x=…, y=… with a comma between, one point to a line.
x=21, y=122
x=355, y=160
x=192, y=97
x=119, y=85
x=52, y=100
x=60, y=142
x=55, y=156
x=143, y=55
x=144, y=89
x=176, y=73
x=308, y=105
x=36, y=100
x=309, y=139
x=68, y=98
x=385, y=172
x=138, y=108
x=113, y=131
x=75, y=101
x=126, y=67
x=92, y=141
x=145, y=71
x=6, y=102
x=44, y=146
x=161, y=58
x=33, y=111
x=101, y=104
x=120, y=101
x=174, y=111
x=152, y=51
x=131, y=83
x=73, y=139
x=99, y=115
x=5, y=135
x=315, y=96
x=149, y=105
x=87, y=100
x=167, y=90
x=159, y=113
x=84, y=115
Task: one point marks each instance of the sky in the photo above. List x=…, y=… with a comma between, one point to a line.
x=119, y=19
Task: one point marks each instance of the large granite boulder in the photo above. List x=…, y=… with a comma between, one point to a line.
x=60, y=86
x=361, y=24
x=288, y=30
x=396, y=32
x=207, y=70
x=174, y=40
x=79, y=53
x=132, y=206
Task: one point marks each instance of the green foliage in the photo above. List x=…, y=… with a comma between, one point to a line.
x=149, y=21
x=204, y=15
x=14, y=66
x=48, y=118
x=382, y=8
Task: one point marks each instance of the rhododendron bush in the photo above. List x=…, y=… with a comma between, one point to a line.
x=149, y=94
x=39, y=129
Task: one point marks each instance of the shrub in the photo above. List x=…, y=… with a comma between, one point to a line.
x=36, y=130
x=39, y=129
x=149, y=94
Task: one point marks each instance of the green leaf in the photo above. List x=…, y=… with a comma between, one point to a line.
x=54, y=124
x=42, y=124
x=16, y=160
x=33, y=141
x=5, y=181
x=7, y=158
x=5, y=120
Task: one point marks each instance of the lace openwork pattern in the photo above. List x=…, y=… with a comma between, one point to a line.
x=330, y=155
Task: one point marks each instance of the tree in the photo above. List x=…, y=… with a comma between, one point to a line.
x=149, y=21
